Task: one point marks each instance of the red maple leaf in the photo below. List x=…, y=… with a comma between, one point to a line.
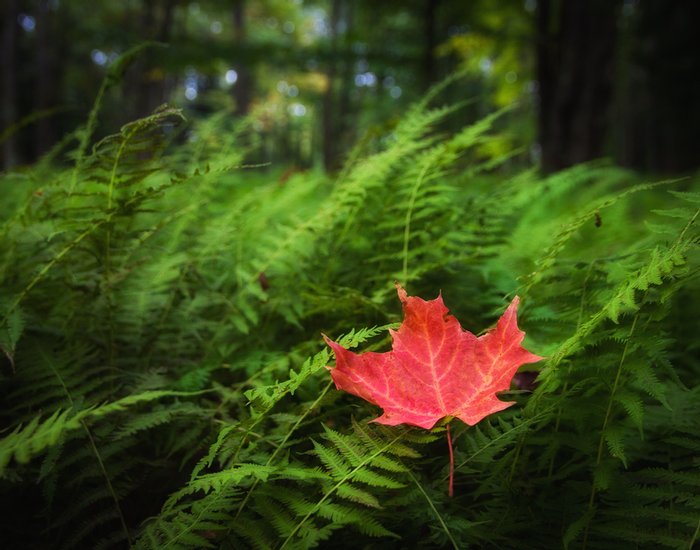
x=435, y=369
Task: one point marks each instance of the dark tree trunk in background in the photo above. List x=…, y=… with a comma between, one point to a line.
x=430, y=41
x=659, y=105
x=46, y=81
x=243, y=88
x=338, y=130
x=141, y=68
x=9, y=10
x=157, y=18
x=161, y=89
x=576, y=42
x=345, y=130
x=330, y=143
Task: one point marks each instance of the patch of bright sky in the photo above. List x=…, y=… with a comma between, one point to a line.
x=99, y=57
x=290, y=90
x=297, y=109
x=27, y=22
x=103, y=58
x=368, y=79
x=319, y=22
x=486, y=65
x=231, y=76
x=191, y=84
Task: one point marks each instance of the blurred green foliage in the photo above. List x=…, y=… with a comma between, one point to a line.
x=161, y=305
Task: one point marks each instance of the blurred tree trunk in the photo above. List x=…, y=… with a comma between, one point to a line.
x=243, y=89
x=345, y=131
x=46, y=84
x=340, y=74
x=330, y=150
x=9, y=10
x=575, y=55
x=141, y=68
x=161, y=88
x=659, y=127
x=149, y=83
x=430, y=41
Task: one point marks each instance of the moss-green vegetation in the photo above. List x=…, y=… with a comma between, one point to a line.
x=163, y=373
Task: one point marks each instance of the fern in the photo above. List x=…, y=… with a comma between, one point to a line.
x=161, y=305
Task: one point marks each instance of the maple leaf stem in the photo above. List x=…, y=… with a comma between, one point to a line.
x=451, y=489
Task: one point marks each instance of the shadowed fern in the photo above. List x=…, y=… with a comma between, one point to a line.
x=165, y=381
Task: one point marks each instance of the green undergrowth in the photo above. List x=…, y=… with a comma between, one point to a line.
x=163, y=372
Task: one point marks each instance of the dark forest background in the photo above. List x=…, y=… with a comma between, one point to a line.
x=593, y=77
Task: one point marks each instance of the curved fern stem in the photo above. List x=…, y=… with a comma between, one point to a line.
x=579, y=322
x=44, y=270
x=108, y=481
x=282, y=446
x=691, y=221
x=190, y=526
x=96, y=452
x=340, y=482
x=108, y=251
x=87, y=132
x=606, y=420
x=505, y=435
x=407, y=223
x=695, y=536
x=434, y=509
x=112, y=78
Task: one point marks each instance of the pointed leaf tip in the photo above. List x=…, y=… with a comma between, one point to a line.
x=403, y=296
